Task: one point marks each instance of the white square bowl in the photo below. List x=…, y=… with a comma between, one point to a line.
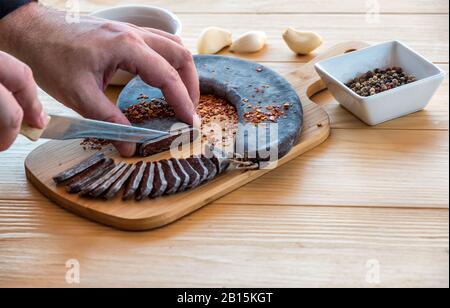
x=388, y=105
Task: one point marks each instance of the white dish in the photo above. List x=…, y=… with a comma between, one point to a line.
x=143, y=16
x=385, y=106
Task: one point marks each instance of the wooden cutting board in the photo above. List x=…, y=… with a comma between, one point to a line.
x=55, y=156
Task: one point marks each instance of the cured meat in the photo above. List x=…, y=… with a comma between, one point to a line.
x=87, y=179
x=97, y=192
x=212, y=170
x=194, y=176
x=79, y=168
x=184, y=176
x=159, y=183
x=134, y=181
x=154, y=147
x=198, y=166
x=101, y=180
x=114, y=189
x=86, y=173
x=171, y=176
x=221, y=163
x=146, y=186
x=142, y=180
x=149, y=149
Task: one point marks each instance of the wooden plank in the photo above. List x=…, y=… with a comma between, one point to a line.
x=274, y=6
x=360, y=167
x=354, y=167
x=229, y=246
x=430, y=37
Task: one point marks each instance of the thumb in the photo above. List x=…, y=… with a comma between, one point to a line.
x=95, y=105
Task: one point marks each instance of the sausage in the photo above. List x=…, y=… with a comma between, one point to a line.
x=159, y=183
x=155, y=147
x=197, y=165
x=184, y=176
x=97, y=192
x=172, y=178
x=141, y=180
x=97, y=183
x=76, y=186
x=194, y=176
x=79, y=168
x=134, y=181
x=221, y=164
x=146, y=186
x=212, y=170
x=114, y=189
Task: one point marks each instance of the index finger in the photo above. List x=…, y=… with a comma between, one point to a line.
x=17, y=77
x=10, y=118
x=157, y=72
x=180, y=58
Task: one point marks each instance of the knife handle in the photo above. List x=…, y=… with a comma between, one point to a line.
x=30, y=132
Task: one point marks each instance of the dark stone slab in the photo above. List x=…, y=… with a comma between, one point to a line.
x=237, y=81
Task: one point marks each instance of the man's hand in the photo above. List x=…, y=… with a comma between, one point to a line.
x=75, y=62
x=18, y=100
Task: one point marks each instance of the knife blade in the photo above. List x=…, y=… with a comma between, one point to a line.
x=65, y=128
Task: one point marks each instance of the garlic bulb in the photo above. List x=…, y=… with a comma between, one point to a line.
x=252, y=41
x=213, y=39
x=302, y=42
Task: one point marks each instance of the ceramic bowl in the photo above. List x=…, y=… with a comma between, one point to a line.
x=143, y=16
x=388, y=105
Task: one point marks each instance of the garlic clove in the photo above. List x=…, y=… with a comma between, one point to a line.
x=212, y=40
x=248, y=42
x=302, y=42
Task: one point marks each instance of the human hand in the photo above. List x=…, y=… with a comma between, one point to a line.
x=75, y=62
x=18, y=100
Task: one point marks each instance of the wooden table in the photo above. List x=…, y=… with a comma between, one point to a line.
x=371, y=200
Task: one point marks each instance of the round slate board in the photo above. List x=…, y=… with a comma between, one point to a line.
x=235, y=80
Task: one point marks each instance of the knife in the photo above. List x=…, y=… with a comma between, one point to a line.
x=65, y=128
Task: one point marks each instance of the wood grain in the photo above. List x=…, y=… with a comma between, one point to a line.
x=429, y=38
x=228, y=246
x=266, y=244
x=361, y=167
x=280, y=6
x=378, y=168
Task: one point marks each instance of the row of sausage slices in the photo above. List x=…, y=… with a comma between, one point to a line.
x=100, y=177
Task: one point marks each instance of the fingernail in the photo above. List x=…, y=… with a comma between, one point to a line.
x=44, y=119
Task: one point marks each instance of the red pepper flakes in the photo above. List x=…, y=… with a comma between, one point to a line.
x=143, y=111
x=257, y=116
